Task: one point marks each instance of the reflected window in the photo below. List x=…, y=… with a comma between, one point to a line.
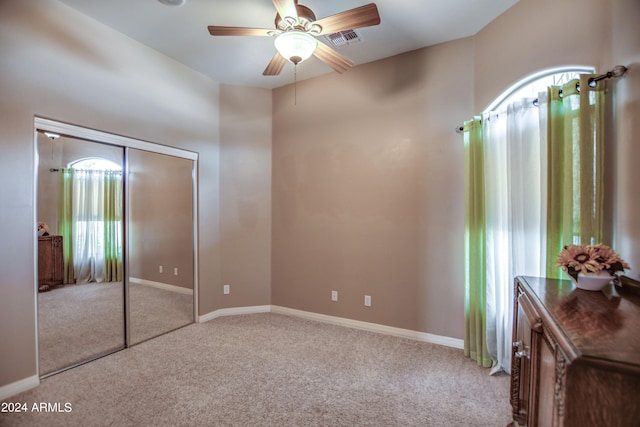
x=95, y=164
x=93, y=194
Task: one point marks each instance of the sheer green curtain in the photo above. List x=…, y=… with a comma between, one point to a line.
x=475, y=345
x=113, y=227
x=575, y=147
x=65, y=221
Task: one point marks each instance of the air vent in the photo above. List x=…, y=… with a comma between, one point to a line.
x=343, y=38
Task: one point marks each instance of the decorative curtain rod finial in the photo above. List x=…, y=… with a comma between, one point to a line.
x=618, y=71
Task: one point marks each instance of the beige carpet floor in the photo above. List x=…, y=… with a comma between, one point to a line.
x=272, y=370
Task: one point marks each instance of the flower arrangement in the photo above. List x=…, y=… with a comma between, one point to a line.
x=585, y=259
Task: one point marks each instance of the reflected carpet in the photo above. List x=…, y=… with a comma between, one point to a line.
x=76, y=322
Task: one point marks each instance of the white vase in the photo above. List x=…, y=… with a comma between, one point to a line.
x=592, y=281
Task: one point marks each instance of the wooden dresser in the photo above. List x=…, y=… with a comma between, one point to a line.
x=50, y=262
x=576, y=355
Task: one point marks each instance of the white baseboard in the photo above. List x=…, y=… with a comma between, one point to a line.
x=234, y=312
x=340, y=321
x=160, y=285
x=372, y=327
x=18, y=387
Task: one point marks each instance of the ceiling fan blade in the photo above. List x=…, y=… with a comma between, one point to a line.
x=332, y=58
x=286, y=8
x=275, y=65
x=216, y=30
x=363, y=16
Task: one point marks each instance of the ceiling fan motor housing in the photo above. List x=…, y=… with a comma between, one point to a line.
x=306, y=17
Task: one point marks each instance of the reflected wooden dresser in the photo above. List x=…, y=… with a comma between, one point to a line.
x=50, y=262
x=576, y=355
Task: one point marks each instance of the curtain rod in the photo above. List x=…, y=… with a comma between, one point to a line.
x=88, y=170
x=617, y=71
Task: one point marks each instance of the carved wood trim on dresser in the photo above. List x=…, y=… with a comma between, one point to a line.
x=558, y=391
x=576, y=357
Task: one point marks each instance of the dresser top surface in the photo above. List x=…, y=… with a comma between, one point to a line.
x=603, y=325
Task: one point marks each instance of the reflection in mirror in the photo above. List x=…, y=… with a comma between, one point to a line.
x=161, y=244
x=80, y=264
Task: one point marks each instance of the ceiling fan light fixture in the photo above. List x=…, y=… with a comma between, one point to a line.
x=295, y=46
x=172, y=2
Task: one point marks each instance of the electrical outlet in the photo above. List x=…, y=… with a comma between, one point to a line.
x=175, y=271
x=160, y=269
x=226, y=289
x=334, y=295
x=367, y=300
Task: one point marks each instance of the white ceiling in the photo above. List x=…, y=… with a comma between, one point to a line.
x=181, y=32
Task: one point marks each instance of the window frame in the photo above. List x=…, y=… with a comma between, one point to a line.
x=505, y=97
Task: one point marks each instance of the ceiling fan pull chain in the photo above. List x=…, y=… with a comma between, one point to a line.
x=295, y=84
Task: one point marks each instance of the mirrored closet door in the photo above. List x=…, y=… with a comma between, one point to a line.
x=115, y=243
x=80, y=271
x=160, y=201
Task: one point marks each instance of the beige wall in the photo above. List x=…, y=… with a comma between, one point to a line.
x=245, y=195
x=626, y=199
x=368, y=191
x=56, y=63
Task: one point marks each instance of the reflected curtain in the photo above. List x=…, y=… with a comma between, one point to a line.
x=90, y=222
x=65, y=222
x=575, y=139
x=113, y=227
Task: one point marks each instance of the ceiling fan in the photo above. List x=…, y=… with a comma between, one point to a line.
x=295, y=28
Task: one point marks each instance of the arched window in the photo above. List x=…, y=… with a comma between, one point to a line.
x=508, y=156
x=530, y=86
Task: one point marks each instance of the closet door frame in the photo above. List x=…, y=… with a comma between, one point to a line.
x=91, y=135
